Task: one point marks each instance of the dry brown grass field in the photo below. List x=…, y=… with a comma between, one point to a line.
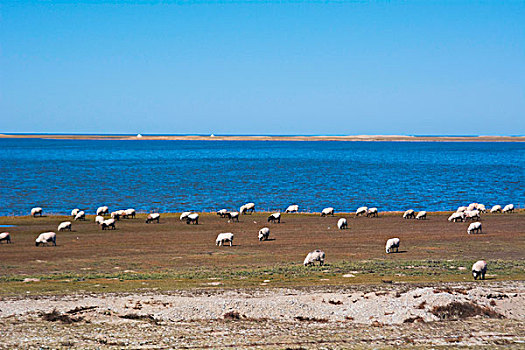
x=173, y=254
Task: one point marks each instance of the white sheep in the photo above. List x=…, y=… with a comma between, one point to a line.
x=153, y=217
x=361, y=211
x=342, y=224
x=312, y=257
x=74, y=212
x=391, y=244
x=99, y=219
x=248, y=207
x=103, y=210
x=130, y=213
x=275, y=217
x=264, y=233
x=81, y=215
x=45, y=238
x=116, y=215
x=108, y=224
x=223, y=213
x=234, y=215
x=292, y=209
x=472, y=206
x=422, y=215
x=372, y=212
x=481, y=208
x=457, y=216
x=409, y=214
x=474, y=227
x=496, y=209
x=192, y=218
x=5, y=236
x=472, y=215
x=223, y=238
x=184, y=215
x=66, y=225
x=479, y=269
x=461, y=209
x=36, y=211
x=509, y=208
x=327, y=211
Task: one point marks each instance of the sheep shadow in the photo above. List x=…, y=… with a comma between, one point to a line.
x=269, y=239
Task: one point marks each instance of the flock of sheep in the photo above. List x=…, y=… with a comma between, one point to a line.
x=464, y=213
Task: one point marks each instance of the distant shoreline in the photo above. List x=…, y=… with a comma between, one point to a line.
x=399, y=138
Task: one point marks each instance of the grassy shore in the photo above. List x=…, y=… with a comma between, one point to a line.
x=174, y=255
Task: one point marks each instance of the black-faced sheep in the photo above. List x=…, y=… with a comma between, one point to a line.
x=36, y=211
x=5, y=236
x=312, y=257
x=223, y=238
x=479, y=269
x=264, y=233
x=153, y=217
x=45, y=238
x=391, y=244
x=274, y=217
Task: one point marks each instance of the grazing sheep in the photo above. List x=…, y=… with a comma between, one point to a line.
x=194, y=219
x=108, y=224
x=361, y=211
x=184, y=215
x=99, y=219
x=409, y=214
x=479, y=269
x=391, y=244
x=457, y=216
x=474, y=227
x=461, y=209
x=234, y=215
x=264, y=233
x=472, y=206
x=74, y=212
x=509, y=208
x=130, y=213
x=103, y=210
x=66, y=225
x=496, y=209
x=292, y=209
x=5, y=236
x=327, y=211
x=153, y=217
x=312, y=257
x=248, y=207
x=422, y=215
x=223, y=213
x=275, y=217
x=372, y=212
x=81, y=215
x=45, y=238
x=223, y=238
x=115, y=215
x=481, y=208
x=36, y=211
x=342, y=224
x=472, y=215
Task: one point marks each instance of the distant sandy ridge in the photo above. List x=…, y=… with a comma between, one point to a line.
x=402, y=138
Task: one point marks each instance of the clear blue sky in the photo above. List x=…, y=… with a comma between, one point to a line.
x=421, y=67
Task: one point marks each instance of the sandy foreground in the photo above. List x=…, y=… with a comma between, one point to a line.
x=277, y=138
x=487, y=314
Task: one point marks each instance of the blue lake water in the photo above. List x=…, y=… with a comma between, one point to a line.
x=172, y=176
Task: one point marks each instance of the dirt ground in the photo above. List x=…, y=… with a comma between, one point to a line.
x=172, y=244
x=168, y=285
